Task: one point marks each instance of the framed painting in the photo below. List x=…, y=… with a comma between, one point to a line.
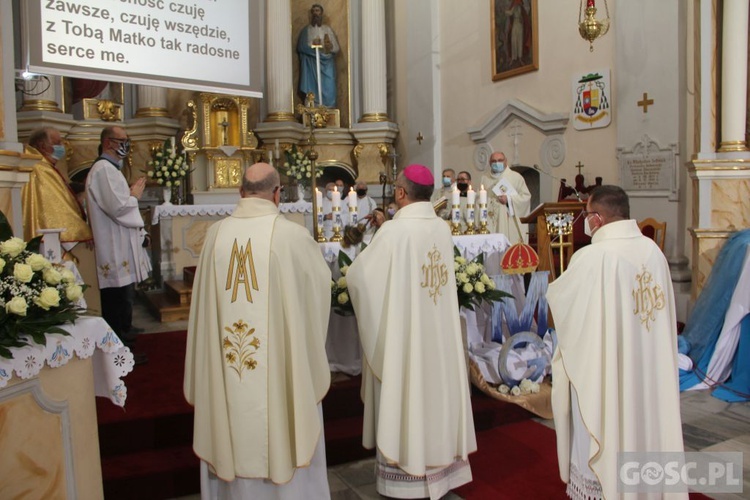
x=515, y=47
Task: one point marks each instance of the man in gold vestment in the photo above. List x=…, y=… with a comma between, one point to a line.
x=49, y=203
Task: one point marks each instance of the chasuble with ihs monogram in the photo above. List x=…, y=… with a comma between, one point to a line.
x=414, y=382
x=256, y=366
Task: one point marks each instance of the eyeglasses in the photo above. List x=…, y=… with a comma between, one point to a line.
x=586, y=213
x=119, y=139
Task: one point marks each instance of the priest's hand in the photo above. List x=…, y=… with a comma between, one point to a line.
x=137, y=188
x=503, y=199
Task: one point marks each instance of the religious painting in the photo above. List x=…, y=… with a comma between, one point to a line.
x=515, y=46
x=591, y=100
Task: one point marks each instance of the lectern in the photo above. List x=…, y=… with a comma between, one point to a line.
x=548, y=246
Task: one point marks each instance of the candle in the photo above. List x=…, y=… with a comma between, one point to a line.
x=336, y=200
x=276, y=152
x=171, y=142
x=319, y=199
x=352, y=198
x=482, y=195
x=455, y=197
x=471, y=197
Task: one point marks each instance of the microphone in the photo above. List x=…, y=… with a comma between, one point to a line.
x=562, y=181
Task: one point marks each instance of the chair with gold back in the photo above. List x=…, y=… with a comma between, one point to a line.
x=654, y=229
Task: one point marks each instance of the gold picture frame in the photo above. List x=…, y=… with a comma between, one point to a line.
x=515, y=43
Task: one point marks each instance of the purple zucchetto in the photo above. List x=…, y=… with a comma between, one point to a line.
x=419, y=174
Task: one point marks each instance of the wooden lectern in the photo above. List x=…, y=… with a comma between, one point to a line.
x=576, y=239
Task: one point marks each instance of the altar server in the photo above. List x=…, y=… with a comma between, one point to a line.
x=615, y=368
x=255, y=367
x=414, y=382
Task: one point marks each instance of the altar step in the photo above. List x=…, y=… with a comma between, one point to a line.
x=172, y=303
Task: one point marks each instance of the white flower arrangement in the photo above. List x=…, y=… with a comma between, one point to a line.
x=525, y=387
x=36, y=296
x=473, y=284
x=299, y=166
x=168, y=168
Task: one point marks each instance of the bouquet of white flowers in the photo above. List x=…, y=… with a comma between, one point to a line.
x=472, y=282
x=36, y=296
x=340, y=301
x=168, y=168
x=299, y=166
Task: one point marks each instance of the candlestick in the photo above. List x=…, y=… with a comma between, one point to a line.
x=456, y=219
x=319, y=215
x=336, y=212
x=483, y=215
x=482, y=195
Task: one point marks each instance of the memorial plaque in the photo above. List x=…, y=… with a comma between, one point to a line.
x=647, y=169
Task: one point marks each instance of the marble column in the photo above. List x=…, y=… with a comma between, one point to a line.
x=374, y=98
x=279, y=92
x=152, y=101
x=734, y=75
x=42, y=94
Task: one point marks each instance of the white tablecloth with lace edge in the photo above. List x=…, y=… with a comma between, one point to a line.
x=89, y=336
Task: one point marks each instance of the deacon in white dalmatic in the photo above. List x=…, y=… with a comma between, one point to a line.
x=255, y=367
x=615, y=377
x=414, y=381
x=508, y=198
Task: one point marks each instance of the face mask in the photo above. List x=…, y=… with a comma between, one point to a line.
x=391, y=212
x=329, y=195
x=123, y=149
x=446, y=182
x=588, y=231
x=462, y=186
x=361, y=192
x=497, y=167
x=58, y=151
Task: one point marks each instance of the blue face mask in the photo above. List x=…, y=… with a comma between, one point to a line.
x=446, y=182
x=391, y=212
x=58, y=151
x=497, y=167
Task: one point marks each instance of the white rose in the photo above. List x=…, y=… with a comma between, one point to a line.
x=23, y=272
x=342, y=282
x=333, y=284
x=485, y=279
x=163, y=168
x=49, y=297
x=479, y=287
x=516, y=391
x=52, y=276
x=170, y=163
x=17, y=305
x=73, y=292
x=150, y=173
x=343, y=298
x=468, y=288
x=2, y=265
x=174, y=174
x=461, y=260
x=535, y=388
x=37, y=262
x=173, y=155
x=68, y=276
x=503, y=389
x=525, y=386
x=169, y=183
x=344, y=270
x=308, y=174
x=472, y=269
x=490, y=285
x=12, y=247
x=462, y=278
x=177, y=182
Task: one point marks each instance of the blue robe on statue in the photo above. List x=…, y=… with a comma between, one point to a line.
x=707, y=321
x=308, y=74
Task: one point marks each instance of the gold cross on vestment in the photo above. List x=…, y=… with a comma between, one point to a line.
x=646, y=102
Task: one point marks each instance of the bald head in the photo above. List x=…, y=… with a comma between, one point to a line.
x=261, y=180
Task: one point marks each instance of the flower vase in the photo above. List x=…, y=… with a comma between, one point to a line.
x=292, y=192
x=177, y=194
x=166, y=195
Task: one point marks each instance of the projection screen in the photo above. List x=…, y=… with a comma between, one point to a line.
x=203, y=45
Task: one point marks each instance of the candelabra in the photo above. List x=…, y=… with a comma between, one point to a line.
x=456, y=220
x=336, y=214
x=483, y=219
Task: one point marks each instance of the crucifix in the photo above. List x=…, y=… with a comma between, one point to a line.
x=646, y=102
x=579, y=167
x=420, y=138
x=224, y=126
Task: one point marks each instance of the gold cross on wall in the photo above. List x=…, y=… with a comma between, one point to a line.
x=646, y=102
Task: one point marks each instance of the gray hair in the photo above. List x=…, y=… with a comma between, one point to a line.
x=265, y=186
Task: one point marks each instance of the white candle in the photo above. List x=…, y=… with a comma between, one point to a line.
x=471, y=197
x=352, y=198
x=319, y=199
x=276, y=152
x=455, y=197
x=171, y=142
x=336, y=199
x=482, y=195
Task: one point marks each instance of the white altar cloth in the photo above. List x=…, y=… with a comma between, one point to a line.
x=160, y=211
x=89, y=336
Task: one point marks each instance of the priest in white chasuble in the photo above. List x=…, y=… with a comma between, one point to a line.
x=508, y=198
x=615, y=384
x=414, y=382
x=256, y=367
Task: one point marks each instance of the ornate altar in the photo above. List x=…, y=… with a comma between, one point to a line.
x=220, y=145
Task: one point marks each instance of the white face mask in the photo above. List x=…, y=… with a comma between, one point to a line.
x=329, y=195
x=587, y=227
